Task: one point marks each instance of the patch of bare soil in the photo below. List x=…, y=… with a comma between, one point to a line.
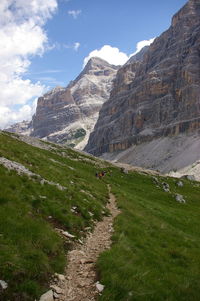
x=81, y=280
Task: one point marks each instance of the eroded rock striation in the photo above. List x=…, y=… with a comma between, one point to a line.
x=157, y=96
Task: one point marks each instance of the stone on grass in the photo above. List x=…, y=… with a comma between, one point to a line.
x=100, y=287
x=165, y=187
x=3, y=284
x=180, y=184
x=179, y=198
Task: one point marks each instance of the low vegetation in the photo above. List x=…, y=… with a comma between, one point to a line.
x=155, y=251
x=31, y=249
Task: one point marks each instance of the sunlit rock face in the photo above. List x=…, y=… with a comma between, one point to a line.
x=156, y=96
x=67, y=115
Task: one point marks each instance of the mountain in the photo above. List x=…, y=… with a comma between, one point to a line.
x=24, y=128
x=67, y=115
x=153, y=113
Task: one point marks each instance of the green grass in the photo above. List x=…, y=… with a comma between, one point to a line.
x=155, y=253
x=30, y=248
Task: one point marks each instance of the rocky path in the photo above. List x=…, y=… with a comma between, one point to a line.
x=81, y=281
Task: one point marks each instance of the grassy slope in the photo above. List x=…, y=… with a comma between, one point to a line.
x=30, y=248
x=155, y=253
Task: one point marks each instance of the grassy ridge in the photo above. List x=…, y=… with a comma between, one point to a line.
x=155, y=255
x=30, y=248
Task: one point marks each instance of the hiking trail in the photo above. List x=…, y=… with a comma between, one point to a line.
x=81, y=279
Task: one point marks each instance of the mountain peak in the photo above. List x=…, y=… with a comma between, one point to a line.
x=188, y=14
x=97, y=63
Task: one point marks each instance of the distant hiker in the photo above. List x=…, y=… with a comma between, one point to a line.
x=96, y=174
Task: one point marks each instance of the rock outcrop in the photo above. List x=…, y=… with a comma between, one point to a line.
x=157, y=96
x=24, y=128
x=68, y=115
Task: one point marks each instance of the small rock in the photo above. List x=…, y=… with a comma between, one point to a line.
x=155, y=180
x=60, y=277
x=90, y=213
x=165, y=187
x=3, y=284
x=180, y=184
x=48, y=296
x=87, y=228
x=56, y=289
x=100, y=287
x=50, y=217
x=179, y=198
x=42, y=182
x=67, y=234
x=81, y=284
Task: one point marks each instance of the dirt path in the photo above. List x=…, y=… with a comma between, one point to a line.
x=80, y=284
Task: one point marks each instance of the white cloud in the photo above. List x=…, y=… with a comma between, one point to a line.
x=9, y=116
x=142, y=44
x=110, y=54
x=76, y=46
x=113, y=55
x=74, y=13
x=21, y=36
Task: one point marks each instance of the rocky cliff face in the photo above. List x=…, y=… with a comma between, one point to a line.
x=69, y=114
x=158, y=96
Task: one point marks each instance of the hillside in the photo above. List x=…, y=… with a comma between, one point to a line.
x=47, y=189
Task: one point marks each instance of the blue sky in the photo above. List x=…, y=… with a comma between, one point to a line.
x=44, y=43
x=116, y=23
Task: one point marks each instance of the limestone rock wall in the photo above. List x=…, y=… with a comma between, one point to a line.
x=159, y=96
x=67, y=115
